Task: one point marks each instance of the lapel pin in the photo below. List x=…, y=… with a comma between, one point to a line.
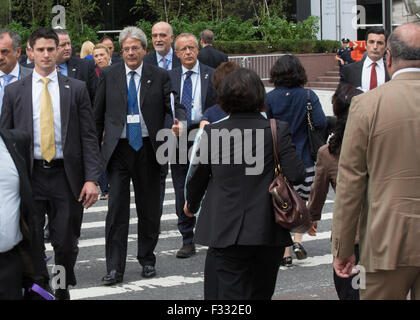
x=74, y=70
x=206, y=76
x=149, y=81
x=67, y=86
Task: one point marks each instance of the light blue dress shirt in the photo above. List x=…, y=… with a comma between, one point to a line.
x=10, y=234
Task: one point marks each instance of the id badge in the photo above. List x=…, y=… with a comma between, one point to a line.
x=135, y=118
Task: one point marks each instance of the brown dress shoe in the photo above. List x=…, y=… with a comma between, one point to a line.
x=186, y=251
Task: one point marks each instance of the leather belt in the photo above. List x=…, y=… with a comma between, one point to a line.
x=57, y=163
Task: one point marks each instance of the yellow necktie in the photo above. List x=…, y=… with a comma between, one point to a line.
x=47, y=124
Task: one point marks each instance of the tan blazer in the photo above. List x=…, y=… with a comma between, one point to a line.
x=379, y=177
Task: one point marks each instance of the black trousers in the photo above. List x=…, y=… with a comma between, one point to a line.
x=242, y=272
x=52, y=194
x=343, y=286
x=11, y=275
x=144, y=171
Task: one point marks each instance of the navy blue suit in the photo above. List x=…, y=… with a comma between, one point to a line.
x=179, y=171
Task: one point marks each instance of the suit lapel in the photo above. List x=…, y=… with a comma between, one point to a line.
x=65, y=96
x=71, y=69
x=121, y=88
x=28, y=103
x=146, y=82
x=205, y=78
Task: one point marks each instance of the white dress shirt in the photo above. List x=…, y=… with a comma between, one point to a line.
x=169, y=58
x=10, y=234
x=405, y=70
x=54, y=90
x=366, y=72
x=137, y=80
x=14, y=73
x=197, y=110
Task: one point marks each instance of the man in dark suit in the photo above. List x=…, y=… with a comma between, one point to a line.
x=131, y=103
x=163, y=57
x=371, y=71
x=27, y=59
x=56, y=112
x=192, y=83
x=73, y=67
x=10, y=70
x=107, y=42
x=21, y=255
x=209, y=55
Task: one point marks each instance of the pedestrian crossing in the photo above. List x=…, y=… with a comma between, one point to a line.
x=179, y=279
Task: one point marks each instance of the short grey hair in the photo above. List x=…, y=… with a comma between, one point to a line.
x=16, y=39
x=186, y=35
x=400, y=50
x=133, y=32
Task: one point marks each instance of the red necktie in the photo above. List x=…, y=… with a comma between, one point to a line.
x=373, y=77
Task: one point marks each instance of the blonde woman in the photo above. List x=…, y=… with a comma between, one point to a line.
x=101, y=56
x=86, y=50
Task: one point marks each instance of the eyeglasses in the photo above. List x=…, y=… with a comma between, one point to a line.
x=134, y=48
x=184, y=49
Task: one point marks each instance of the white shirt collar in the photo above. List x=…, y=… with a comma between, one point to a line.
x=15, y=71
x=138, y=70
x=52, y=76
x=379, y=63
x=404, y=71
x=194, y=69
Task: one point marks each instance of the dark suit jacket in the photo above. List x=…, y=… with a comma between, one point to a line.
x=212, y=57
x=208, y=93
x=84, y=70
x=111, y=104
x=80, y=147
x=150, y=58
x=237, y=208
x=352, y=73
x=19, y=145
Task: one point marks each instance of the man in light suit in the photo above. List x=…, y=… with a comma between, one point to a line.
x=131, y=102
x=379, y=179
x=371, y=71
x=10, y=70
x=192, y=83
x=56, y=112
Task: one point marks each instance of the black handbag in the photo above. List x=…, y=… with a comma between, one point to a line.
x=317, y=138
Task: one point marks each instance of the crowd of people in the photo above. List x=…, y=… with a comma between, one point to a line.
x=77, y=129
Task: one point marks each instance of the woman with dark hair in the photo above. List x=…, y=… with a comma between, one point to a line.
x=287, y=102
x=215, y=113
x=326, y=174
x=236, y=217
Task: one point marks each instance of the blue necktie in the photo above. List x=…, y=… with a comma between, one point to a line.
x=187, y=95
x=134, y=134
x=7, y=78
x=164, y=63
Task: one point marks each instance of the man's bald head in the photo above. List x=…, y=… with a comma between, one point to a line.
x=404, y=47
x=162, y=37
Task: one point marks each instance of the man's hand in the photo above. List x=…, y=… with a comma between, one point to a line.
x=344, y=268
x=186, y=211
x=177, y=127
x=312, y=230
x=90, y=194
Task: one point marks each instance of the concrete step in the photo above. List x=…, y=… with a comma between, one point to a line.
x=324, y=84
x=332, y=73
x=328, y=79
x=320, y=89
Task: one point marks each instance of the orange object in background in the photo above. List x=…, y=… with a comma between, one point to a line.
x=357, y=53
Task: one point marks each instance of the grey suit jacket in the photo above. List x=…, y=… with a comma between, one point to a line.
x=24, y=71
x=80, y=147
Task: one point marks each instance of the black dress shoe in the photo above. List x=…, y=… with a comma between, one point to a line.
x=112, y=278
x=148, y=271
x=62, y=294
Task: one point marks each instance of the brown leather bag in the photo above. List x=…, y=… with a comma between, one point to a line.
x=290, y=210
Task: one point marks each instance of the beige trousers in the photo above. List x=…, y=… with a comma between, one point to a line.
x=392, y=284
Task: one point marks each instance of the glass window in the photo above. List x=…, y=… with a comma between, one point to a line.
x=405, y=11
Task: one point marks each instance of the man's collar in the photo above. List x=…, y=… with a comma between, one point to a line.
x=128, y=70
x=168, y=56
x=194, y=69
x=52, y=76
x=369, y=61
x=404, y=71
x=14, y=72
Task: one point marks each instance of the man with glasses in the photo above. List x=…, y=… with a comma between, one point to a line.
x=191, y=82
x=131, y=102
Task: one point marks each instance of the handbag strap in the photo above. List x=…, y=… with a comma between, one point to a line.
x=309, y=111
x=273, y=125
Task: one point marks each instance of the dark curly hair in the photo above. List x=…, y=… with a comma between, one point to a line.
x=288, y=72
x=241, y=91
x=341, y=103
